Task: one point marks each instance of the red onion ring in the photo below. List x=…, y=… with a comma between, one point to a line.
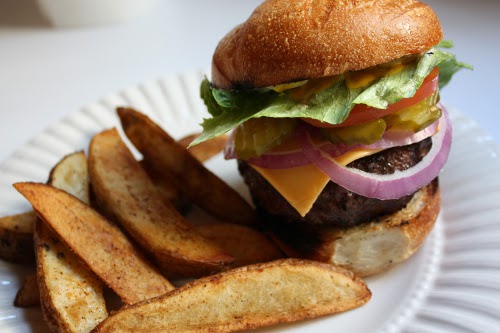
x=393, y=186
x=272, y=160
x=390, y=139
x=296, y=158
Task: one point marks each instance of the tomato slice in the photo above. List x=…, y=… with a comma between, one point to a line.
x=363, y=113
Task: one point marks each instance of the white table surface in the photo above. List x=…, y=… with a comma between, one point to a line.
x=46, y=73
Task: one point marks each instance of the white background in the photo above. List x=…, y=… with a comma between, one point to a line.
x=46, y=72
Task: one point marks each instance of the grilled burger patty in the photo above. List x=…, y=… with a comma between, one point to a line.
x=337, y=206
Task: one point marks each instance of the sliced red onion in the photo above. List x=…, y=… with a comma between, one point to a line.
x=393, y=186
x=272, y=160
x=402, y=138
x=296, y=157
x=390, y=139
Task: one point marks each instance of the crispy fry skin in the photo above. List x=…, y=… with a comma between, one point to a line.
x=100, y=244
x=70, y=294
x=165, y=155
x=245, y=298
x=248, y=246
x=16, y=237
x=16, y=231
x=129, y=197
x=163, y=181
x=28, y=295
x=168, y=190
x=206, y=149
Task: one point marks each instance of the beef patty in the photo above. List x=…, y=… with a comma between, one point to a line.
x=337, y=206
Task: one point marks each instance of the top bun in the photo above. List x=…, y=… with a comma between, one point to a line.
x=292, y=40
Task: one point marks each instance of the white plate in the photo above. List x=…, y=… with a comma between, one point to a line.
x=450, y=285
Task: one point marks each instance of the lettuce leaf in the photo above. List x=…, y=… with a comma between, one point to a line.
x=449, y=67
x=206, y=95
x=229, y=109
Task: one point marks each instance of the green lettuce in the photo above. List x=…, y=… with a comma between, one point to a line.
x=230, y=109
x=449, y=67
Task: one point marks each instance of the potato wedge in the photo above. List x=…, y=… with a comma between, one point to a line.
x=244, y=298
x=164, y=183
x=168, y=189
x=128, y=196
x=16, y=237
x=28, y=295
x=71, y=295
x=164, y=155
x=247, y=246
x=72, y=176
x=206, y=149
x=99, y=243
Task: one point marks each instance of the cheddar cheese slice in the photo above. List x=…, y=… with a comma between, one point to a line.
x=301, y=186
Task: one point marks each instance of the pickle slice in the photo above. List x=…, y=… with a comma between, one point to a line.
x=257, y=136
x=366, y=133
x=416, y=117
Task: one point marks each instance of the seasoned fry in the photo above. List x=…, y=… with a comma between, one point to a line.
x=126, y=193
x=28, y=295
x=71, y=295
x=16, y=237
x=164, y=182
x=16, y=231
x=100, y=244
x=168, y=190
x=72, y=176
x=163, y=154
x=206, y=149
x=244, y=298
x=246, y=245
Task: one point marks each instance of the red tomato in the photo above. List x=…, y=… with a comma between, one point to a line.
x=362, y=113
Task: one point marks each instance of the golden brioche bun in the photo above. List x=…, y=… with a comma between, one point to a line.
x=374, y=247
x=292, y=40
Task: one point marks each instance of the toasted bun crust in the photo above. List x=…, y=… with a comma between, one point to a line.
x=374, y=247
x=291, y=40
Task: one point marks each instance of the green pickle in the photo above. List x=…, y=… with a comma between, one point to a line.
x=416, y=117
x=257, y=136
x=366, y=133
x=413, y=118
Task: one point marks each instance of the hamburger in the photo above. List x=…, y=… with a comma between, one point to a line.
x=336, y=124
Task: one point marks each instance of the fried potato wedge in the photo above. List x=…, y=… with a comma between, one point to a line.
x=247, y=246
x=28, y=295
x=128, y=196
x=98, y=243
x=72, y=176
x=205, y=150
x=244, y=298
x=71, y=295
x=164, y=182
x=201, y=186
x=168, y=189
x=16, y=237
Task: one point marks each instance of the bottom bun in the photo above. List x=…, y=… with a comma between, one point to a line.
x=369, y=248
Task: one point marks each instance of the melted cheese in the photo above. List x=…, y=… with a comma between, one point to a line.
x=301, y=186
x=367, y=76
